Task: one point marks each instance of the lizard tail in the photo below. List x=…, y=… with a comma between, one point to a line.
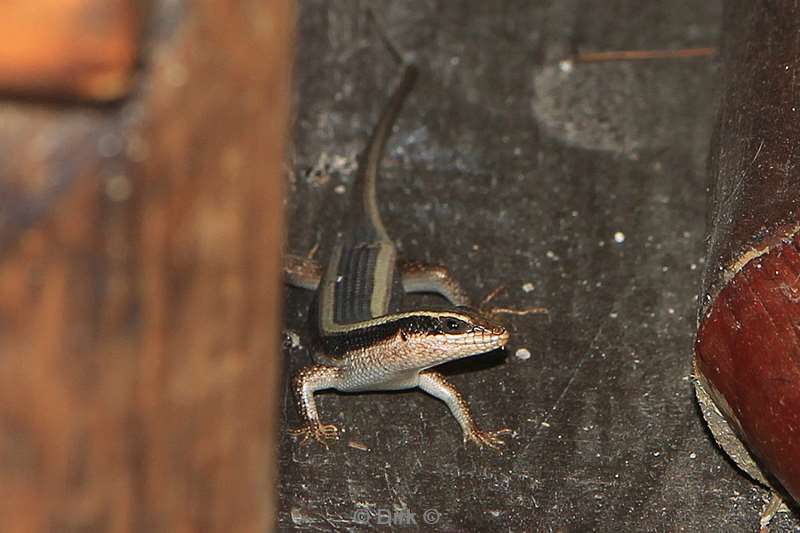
x=365, y=206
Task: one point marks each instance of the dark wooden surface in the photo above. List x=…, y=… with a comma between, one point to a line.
x=748, y=343
x=586, y=181
x=754, y=200
x=139, y=265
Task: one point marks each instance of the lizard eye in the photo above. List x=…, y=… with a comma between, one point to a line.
x=451, y=325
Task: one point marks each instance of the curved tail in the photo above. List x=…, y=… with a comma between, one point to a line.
x=365, y=207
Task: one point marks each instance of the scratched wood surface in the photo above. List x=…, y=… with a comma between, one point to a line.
x=581, y=187
x=139, y=268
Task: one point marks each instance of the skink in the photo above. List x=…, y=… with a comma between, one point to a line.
x=363, y=338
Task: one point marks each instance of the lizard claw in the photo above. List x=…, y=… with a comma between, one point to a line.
x=321, y=433
x=488, y=438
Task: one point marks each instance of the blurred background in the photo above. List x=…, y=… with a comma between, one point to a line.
x=141, y=179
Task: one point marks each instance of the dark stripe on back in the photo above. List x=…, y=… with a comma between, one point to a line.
x=340, y=344
x=353, y=286
x=353, y=293
x=364, y=280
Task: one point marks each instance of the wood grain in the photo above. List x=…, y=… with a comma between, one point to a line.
x=139, y=300
x=747, y=354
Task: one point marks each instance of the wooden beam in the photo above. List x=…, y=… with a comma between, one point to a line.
x=140, y=288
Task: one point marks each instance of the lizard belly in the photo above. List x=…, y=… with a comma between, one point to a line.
x=361, y=379
x=383, y=366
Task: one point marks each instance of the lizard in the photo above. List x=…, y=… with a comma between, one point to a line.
x=363, y=339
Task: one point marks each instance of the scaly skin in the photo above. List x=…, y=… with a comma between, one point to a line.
x=364, y=342
x=399, y=361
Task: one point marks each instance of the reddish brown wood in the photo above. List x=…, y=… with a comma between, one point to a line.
x=747, y=354
x=749, y=348
x=139, y=288
x=75, y=48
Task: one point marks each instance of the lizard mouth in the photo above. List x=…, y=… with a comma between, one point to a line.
x=483, y=340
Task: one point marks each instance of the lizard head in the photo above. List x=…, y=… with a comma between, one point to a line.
x=445, y=335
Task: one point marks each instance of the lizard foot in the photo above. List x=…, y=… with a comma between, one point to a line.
x=494, y=311
x=488, y=438
x=321, y=433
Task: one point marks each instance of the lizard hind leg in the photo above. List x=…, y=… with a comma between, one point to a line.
x=425, y=277
x=301, y=272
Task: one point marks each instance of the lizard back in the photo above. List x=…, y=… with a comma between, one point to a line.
x=361, y=281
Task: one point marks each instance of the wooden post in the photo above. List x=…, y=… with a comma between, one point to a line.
x=747, y=353
x=140, y=287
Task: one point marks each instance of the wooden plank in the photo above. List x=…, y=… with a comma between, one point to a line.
x=139, y=288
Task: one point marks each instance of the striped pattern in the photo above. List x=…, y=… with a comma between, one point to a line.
x=358, y=285
x=361, y=285
x=361, y=281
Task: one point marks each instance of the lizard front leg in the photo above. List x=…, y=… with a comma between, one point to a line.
x=305, y=383
x=436, y=385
